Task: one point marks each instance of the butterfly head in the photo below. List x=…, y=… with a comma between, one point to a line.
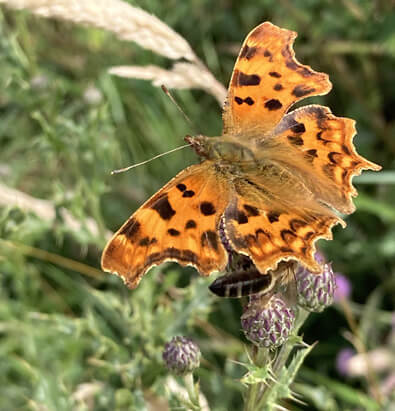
x=200, y=144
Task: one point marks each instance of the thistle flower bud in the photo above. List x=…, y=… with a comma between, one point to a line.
x=267, y=323
x=181, y=355
x=315, y=291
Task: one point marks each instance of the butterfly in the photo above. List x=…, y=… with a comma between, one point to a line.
x=269, y=187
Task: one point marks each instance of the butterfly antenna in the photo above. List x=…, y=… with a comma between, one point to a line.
x=167, y=92
x=121, y=170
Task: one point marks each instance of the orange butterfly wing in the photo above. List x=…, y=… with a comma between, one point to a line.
x=266, y=81
x=305, y=160
x=318, y=147
x=274, y=217
x=178, y=223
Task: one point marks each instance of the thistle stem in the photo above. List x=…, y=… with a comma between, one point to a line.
x=260, y=356
x=193, y=391
x=281, y=359
x=286, y=349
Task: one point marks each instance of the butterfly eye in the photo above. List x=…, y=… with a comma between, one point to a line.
x=199, y=144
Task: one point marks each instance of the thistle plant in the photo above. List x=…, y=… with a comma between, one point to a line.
x=315, y=292
x=267, y=326
x=182, y=356
x=271, y=323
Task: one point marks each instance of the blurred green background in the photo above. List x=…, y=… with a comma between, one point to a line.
x=74, y=338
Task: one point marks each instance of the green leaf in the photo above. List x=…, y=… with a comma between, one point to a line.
x=281, y=388
x=256, y=374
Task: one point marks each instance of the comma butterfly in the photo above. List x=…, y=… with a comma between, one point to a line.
x=270, y=186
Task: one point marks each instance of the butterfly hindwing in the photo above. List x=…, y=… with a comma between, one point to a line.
x=317, y=146
x=273, y=218
x=266, y=81
x=179, y=223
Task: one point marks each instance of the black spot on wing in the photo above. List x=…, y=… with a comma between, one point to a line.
x=310, y=155
x=163, y=208
x=190, y=224
x=181, y=187
x=248, y=79
x=298, y=128
x=241, y=217
x=274, y=74
x=295, y=140
x=273, y=104
x=173, y=232
x=248, y=52
x=188, y=193
x=278, y=87
x=268, y=54
x=302, y=90
x=273, y=216
x=247, y=100
x=131, y=229
x=207, y=208
x=251, y=210
x=144, y=242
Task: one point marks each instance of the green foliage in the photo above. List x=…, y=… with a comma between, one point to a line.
x=74, y=338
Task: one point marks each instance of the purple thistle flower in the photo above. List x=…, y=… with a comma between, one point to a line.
x=181, y=355
x=267, y=323
x=315, y=291
x=343, y=287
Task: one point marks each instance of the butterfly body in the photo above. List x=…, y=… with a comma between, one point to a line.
x=226, y=150
x=244, y=280
x=242, y=283
x=268, y=188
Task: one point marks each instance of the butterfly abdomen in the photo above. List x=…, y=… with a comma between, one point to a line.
x=242, y=283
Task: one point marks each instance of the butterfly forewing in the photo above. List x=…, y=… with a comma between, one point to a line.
x=179, y=223
x=266, y=81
